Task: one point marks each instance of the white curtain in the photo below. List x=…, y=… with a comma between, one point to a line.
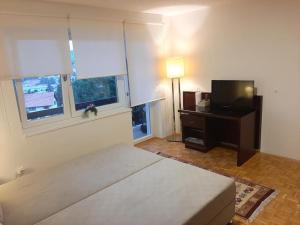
x=33, y=46
x=144, y=44
x=99, y=48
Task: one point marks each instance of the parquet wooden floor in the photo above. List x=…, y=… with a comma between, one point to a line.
x=279, y=173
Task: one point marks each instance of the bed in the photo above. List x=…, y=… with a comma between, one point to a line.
x=120, y=185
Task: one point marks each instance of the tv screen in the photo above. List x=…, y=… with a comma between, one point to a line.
x=232, y=95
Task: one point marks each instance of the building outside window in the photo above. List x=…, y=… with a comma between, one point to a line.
x=42, y=96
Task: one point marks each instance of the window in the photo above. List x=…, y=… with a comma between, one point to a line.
x=51, y=98
x=97, y=91
x=141, y=121
x=40, y=98
x=46, y=99
x=102, y=92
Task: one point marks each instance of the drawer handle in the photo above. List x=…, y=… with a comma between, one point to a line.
x=185, y=114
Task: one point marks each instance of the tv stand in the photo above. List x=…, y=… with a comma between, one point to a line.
x=203, y=129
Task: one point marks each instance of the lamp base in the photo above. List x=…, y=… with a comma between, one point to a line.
x=174, y=138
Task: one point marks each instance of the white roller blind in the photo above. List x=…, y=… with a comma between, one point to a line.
x=33, y=46
x=99, y=48
x=144, y=54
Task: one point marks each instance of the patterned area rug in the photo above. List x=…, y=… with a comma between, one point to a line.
x=251, y=198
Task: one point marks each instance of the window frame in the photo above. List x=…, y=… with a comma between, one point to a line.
x=69, y=103
x=45, y=120
x=121, y=92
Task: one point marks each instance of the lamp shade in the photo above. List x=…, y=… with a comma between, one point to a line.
x=175, y=67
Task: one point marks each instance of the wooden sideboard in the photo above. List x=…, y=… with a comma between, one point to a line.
x=203, y=129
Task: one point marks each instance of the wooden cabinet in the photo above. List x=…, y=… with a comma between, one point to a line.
x=193, y=121
x=204, y=130
x=195, y=131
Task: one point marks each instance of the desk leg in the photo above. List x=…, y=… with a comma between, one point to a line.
x=247, y=139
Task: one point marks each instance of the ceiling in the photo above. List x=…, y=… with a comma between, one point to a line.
x=165, y=7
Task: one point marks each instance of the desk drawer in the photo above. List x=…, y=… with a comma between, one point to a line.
x=189, y=120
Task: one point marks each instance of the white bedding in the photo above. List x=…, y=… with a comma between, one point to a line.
x=35, y=197
x=165, y=193
x=121, y=185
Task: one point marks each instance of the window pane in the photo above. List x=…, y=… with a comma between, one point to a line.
x=141, y=121
x=43, y=96
x=97, y=91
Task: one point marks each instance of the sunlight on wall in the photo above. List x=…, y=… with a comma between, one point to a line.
x=174, y=10
x=188, y=84
x=158, y=34
x=184, y=28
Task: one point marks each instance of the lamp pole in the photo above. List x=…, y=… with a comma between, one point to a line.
x=174, y=117
x=174, y=137
x=175, y=70
x=179, y=92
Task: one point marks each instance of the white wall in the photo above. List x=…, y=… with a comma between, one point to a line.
x=50, y=148
x=259, y=40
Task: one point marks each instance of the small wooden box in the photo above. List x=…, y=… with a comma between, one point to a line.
x=189, y=100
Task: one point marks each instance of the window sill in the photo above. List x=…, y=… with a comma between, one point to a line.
x=32, y=131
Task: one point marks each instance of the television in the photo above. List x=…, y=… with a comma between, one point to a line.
x=232, y=95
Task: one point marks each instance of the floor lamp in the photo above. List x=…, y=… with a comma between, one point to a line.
x=175, y=70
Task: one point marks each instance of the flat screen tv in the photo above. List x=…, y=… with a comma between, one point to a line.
x=232, y=95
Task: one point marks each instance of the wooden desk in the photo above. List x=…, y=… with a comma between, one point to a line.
x=236, y=130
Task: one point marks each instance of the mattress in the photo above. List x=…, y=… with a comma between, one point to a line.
x=165, y=193
x=32, y=198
